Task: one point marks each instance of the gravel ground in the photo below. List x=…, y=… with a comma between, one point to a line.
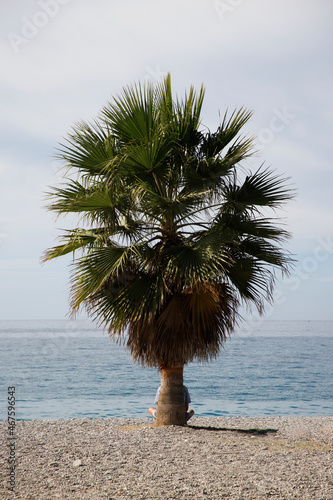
x=212, y=458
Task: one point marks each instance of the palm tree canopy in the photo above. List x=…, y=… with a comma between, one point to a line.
x=173, y=237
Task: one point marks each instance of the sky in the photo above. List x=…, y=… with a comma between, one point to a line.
x=63, y=60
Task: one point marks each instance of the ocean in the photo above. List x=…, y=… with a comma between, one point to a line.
x=70, y=369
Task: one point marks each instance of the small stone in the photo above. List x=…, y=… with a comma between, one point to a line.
x=77, y=463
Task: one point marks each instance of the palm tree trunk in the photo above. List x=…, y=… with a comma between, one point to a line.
x=171, y=404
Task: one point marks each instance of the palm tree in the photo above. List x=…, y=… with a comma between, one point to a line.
x=173, y=235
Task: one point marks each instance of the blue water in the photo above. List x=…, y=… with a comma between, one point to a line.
x=64, y=369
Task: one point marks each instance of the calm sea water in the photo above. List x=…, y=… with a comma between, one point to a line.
x=64, y=369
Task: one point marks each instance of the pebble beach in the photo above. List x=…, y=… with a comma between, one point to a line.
x=211, y=458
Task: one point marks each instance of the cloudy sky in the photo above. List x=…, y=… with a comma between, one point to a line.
x=62, y=60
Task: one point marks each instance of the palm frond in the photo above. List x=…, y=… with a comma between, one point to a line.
x=88, y=149
x=261, y=189
x=78, y=198
x=213, y=143
x=94, y=269
x=78, y=239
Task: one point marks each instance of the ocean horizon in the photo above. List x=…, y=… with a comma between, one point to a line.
x=70, y=369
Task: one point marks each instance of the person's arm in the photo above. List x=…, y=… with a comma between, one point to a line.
x=186, y=407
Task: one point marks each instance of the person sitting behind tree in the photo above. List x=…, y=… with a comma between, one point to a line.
x=187, y=399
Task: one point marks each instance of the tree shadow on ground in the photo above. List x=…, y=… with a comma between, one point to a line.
x=253, y=432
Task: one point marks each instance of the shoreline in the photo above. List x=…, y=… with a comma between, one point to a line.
x=211, y=458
